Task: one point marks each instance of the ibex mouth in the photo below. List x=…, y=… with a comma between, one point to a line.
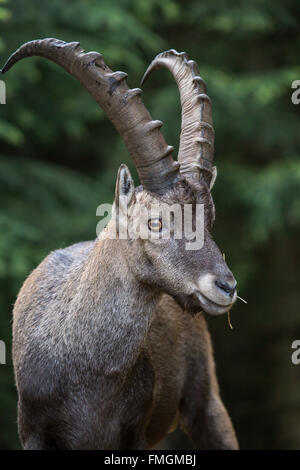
x=212, y=307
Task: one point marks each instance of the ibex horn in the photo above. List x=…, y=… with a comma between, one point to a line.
x=196, y=149
x=152, y=156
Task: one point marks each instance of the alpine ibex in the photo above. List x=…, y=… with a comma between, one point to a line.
x=108, y=350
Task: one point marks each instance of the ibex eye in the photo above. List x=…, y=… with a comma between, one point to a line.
x=155, y=225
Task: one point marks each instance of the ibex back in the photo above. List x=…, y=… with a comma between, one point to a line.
x=110, y=348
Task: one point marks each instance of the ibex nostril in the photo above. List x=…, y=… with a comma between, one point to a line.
x=226, y=287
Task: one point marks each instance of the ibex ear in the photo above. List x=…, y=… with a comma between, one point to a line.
x=125, y=190
x=213, y=177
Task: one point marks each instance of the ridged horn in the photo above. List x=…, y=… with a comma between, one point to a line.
x=196, y=148
x=152, y=156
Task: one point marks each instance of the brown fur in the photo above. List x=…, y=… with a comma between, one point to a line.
x=104, y=357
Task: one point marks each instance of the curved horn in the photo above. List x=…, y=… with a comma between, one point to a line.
x=196, y=149
x=152, y=156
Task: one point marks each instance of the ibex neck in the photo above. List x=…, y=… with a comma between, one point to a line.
x=113, y=309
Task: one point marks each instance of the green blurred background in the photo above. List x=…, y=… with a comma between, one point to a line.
x=59, y=157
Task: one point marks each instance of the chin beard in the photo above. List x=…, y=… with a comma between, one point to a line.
x=189, y=303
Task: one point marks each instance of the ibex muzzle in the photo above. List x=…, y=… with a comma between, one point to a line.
x=106, y=354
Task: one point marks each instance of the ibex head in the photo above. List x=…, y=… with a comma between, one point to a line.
x=198, y=279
